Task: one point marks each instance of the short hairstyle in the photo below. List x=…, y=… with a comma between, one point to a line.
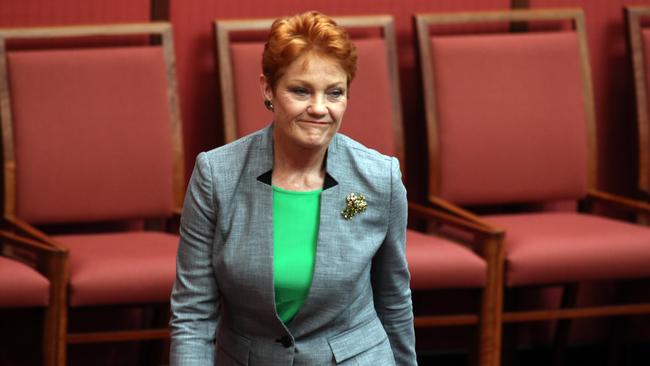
x=293, y=36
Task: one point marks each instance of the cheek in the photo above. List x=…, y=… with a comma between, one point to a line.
x=284, y=112
x=291, y=108
x=339, y=111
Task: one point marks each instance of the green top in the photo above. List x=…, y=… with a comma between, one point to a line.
x=295, y=231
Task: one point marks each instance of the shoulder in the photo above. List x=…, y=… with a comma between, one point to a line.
x=364, y=159
x=226, y=155
x=365, y=170
x=236, y=163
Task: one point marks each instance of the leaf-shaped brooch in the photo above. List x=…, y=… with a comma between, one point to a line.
x=354, y=204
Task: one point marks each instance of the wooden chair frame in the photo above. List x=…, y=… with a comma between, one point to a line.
x=487, y=239
x=593, y=195
x=161, y=29
x=634, y=15
x=162, y=32
x=424, y=21
x=53, y=264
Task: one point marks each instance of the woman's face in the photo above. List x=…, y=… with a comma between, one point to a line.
x=308, y=101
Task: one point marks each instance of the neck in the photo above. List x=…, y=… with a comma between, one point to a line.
x=298, y=168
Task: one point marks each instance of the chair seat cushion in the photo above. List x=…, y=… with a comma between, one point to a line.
x=21, y=285
x=120, y=268
x=551, y=248
x=437, y=263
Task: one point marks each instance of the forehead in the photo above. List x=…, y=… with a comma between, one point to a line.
x=314, y=67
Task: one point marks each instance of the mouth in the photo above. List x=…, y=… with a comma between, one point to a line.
x=320, y=123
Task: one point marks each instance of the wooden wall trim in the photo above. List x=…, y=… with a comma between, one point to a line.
x=633, y=18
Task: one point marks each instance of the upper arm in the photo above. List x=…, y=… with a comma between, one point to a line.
x=391, y=278
x=390, y=273
x=194, y=300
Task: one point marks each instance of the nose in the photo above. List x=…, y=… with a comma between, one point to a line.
x=317, y=106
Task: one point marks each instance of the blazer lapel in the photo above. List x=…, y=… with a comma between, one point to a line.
x=331, y=204
x=313, y=312
x=261, y=199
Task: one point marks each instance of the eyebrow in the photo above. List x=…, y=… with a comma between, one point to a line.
x=300, y=81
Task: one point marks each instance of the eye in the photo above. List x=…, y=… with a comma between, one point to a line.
x=336, y=93
x=299, y=91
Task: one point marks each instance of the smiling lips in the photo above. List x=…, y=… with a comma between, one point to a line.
x=316, y=122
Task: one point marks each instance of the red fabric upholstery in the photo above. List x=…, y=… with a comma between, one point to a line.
x=120, y=268
x=549, y=248
x=21, y=285
x=246, y=71
x=368, y=118
x=437, y=263
x=92, y=134
x=511, y=118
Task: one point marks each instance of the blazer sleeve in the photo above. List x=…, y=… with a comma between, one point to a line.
x=195, y=299
x=391, y=278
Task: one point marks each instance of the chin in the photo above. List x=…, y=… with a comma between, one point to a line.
x=315, y=142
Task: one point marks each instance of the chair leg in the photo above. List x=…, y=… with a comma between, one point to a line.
x=490, y=320
x=54, y=335
x=563, y=328
x=489, y=332
x=55, y=325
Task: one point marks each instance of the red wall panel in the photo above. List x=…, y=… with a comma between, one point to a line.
x=22, y=13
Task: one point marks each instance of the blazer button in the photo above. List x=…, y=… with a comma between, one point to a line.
x=285, y=341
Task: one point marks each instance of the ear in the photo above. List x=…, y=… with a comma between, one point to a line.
x=265, y=88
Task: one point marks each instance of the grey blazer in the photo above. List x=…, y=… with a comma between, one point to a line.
x=358, y=310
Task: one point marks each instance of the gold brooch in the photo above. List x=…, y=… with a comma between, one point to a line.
x=355, y=203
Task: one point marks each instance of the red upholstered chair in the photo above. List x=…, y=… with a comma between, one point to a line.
x=639, y=38
x=510, y=121
x=33, y=275
x=92, y=139
x=373, y=118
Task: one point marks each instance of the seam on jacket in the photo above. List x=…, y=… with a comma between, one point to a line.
x=212, y=198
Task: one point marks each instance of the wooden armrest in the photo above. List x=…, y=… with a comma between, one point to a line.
x=51, y=261
x=26, y=230
x=457, y=211
x=488, y=238
x=37, y=247
x=616, y=200
x=428, y=213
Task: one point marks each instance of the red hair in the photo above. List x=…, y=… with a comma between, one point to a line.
x=294, y=36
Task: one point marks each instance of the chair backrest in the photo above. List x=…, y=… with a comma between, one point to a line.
x=90, y=133
x=639, y=37
x=510, y=116
x=374, y=112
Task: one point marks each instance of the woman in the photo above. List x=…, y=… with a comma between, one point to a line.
x=292, y=238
